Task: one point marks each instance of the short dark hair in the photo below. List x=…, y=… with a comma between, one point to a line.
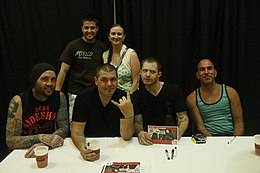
x=105, y=67
x=89, y=18
x=203, y=59
x=151, y=60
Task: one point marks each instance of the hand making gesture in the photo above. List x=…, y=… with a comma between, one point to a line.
x=125, y=105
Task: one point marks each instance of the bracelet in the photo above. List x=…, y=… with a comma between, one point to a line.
x=129, y=117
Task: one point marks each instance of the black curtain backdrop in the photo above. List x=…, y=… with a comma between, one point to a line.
x=33, y=31
x=177, y=32
x=180, y=32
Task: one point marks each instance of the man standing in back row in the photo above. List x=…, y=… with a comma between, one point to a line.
x=215, y=108
x=81, y=56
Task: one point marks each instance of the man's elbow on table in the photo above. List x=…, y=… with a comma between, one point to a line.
x=127, y=135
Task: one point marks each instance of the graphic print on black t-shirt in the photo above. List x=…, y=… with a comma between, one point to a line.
x=39, y=116
x=42, y=121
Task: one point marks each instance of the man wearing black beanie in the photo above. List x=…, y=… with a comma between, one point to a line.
x=37, y=70
x=38, y=116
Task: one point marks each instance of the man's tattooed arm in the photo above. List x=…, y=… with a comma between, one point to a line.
x=138, y=124
x=62, y=118
x=14, y=127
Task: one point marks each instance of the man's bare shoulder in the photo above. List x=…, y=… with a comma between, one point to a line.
x=191, y=97
x=231, y=92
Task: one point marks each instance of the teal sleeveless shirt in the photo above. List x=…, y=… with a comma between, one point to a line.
x=216, y=116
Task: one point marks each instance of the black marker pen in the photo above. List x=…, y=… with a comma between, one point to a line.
x=172, y=153
x=167, y=154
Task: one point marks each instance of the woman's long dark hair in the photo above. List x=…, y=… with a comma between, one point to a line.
x=110, y=52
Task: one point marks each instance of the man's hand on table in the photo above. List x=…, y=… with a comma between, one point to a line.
x=144, y=138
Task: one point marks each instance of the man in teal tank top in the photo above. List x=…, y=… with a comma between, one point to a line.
x=215, y=108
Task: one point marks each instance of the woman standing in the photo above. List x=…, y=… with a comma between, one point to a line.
x=124, y=59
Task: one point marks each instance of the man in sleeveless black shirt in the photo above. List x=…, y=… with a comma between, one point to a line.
x=38, y=116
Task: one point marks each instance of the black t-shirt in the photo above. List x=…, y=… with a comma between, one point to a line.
x=155, y=108
x=83, y=59
x=39, y=116
x=100, y=121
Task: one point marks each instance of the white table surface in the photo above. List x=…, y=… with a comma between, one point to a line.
x=216, y=156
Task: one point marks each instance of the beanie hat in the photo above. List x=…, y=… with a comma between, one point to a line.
x=37, y=70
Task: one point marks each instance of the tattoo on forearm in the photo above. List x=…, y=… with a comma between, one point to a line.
x=26, y=141
x=138, y=123
x=181, y=117
x=62, y=118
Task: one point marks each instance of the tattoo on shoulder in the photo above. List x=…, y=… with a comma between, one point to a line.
x=13, y=107
x=63, y=98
